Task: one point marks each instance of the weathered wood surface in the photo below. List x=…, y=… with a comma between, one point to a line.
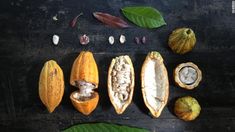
x=25, y=44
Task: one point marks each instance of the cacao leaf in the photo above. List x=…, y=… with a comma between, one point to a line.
x=142, y=16
x=110, y=20
x=102, y=127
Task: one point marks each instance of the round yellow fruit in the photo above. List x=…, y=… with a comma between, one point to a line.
x=187, y=108
x=182, y=40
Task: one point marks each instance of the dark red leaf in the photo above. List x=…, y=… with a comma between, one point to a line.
x=110, y=20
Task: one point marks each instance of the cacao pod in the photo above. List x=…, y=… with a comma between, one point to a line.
x=187, y=75
x=51, y=85
x=84, y=69
x=187, y=108
x=84, y=75
x=154, y=83
x=182, y=40
x=121, y=81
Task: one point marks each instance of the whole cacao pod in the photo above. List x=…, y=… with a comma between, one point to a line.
x=51, y=85
x=182, y=40
x=187, y=108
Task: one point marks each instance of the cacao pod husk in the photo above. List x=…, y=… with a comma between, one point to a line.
x=154, y=83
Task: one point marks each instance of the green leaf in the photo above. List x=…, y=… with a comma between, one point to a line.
x=102, y=127
x=146, y=17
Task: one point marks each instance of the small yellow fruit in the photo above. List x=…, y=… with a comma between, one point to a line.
x=182, y=40
x=187, y=108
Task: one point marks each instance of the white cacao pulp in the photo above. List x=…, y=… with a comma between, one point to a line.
x=188, y=75
x=55, y=39
x=121, y=82
x=85, y=90
x=122, y=39
x=111, y=40
x=155, y=84
x=121, y=79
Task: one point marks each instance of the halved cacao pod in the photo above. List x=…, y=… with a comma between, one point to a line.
x=154, y=83
x=86, y=106
x=84, y=69
x=51, y=85
x=84, y=75
x=187, y=75
x=121, y=81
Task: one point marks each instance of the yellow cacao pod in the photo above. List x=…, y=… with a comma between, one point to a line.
x=182, y=40
x=187, y=108
x=84, y=75
x=51, y=85
x=84, y=69
x=86, y=106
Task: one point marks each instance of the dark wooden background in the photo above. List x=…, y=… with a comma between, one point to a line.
x=26, y=29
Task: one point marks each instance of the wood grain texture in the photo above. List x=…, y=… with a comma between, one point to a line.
x=25, y=45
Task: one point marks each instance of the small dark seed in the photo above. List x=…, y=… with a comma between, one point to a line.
x=137, y=40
